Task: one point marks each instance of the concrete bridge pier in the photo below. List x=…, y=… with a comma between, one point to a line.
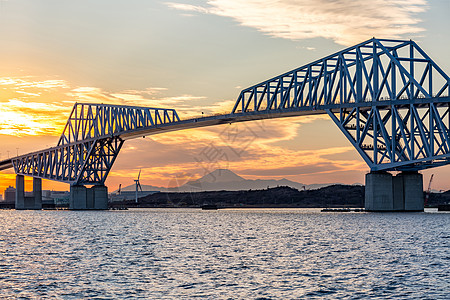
x=29, y=202
x=403, y=192
x=94, y=198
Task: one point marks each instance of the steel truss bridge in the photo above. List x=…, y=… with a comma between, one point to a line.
x=388, y=97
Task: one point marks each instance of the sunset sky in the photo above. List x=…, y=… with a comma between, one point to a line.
x=194, y=56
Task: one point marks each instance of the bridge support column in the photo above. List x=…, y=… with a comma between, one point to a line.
x=78, y=197
x=385, y=192
x=31, y=202
x=37, y=193
x=100, y=193
x=20, y=192
x=82, y=198
x=379, y=193
x=412, y=190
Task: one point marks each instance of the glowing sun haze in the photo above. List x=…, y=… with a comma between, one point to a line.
x=193, y=56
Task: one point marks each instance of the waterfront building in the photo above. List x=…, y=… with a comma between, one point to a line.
x=10, y=194
x=59, y=198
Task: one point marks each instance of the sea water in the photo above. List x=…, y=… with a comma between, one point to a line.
x=224, y=254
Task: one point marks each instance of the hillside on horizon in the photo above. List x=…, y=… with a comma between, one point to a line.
x=224, y=179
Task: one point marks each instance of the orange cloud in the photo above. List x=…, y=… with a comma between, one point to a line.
x=32, y=118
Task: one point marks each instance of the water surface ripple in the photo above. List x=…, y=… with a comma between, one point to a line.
x=224, y=254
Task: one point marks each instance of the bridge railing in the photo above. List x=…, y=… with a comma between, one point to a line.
x=375, y=70
x=88, y=121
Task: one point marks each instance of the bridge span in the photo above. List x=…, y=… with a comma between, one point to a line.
x=388, y=97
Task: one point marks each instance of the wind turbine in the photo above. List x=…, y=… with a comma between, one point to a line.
x=138, y=185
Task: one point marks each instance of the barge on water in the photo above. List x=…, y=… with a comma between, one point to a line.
x=343, y=210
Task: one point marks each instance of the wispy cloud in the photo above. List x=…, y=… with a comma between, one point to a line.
x=344, y=21
x=28, y=82
x=186, y=105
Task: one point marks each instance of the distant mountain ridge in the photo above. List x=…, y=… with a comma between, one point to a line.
x=224, y=179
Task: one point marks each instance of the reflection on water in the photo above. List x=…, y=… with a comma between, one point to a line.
x=237, y=254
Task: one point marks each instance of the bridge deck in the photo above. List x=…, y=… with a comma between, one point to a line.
x=6, y=164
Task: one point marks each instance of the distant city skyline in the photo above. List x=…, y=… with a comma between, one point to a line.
x=194, y=56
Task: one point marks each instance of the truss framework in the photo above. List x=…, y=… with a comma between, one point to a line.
x=407, y=137
x=90, y=143
x=388, y=97
x=376, y=70
x=88, y=121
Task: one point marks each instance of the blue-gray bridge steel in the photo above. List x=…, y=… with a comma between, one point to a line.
x=388, y=97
